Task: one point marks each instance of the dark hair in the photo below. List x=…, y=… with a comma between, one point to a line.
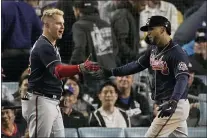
x=108, y=83
x=86, y=7
x=73, y=78
x=5, y=104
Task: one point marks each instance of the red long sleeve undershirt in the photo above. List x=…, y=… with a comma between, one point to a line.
x=62, y=71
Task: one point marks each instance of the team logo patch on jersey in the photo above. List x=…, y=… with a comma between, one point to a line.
x=159, y=64
x=182, y=66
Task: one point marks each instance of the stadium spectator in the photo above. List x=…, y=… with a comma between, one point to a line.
x=47, y=4
x=162, y=8
x=91, y=35
x=20, y=29
x=195, y=87
x=8, y=126
x=35, y=4
x=135, y=104
x=125, y=23
x=44, y=3
x=200, y=48
x=71, y=117
x=187, y=30
x=200, y=36
x=18, y=95
x=105, y=9
x=141, y=82
x=197, y=50
x=195, y=84
x=185, y=5
x=22, y=90
x=108, y=115
x=96, y=36
x=79, y=104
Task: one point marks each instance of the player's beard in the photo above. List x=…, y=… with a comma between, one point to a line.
x=150, y=40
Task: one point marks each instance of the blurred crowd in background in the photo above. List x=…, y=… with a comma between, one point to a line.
x=119, y=36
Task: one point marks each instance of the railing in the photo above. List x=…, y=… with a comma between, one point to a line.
x=123, y=132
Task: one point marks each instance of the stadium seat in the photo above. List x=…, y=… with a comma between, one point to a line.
x=100, y=132
x=12, y=86
x=203, y=78
x=135, y=132
x=203, y=110
x=71, y=133
x=197, y=132
x=140, y=132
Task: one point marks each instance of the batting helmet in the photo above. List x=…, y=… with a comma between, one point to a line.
x=157, y=21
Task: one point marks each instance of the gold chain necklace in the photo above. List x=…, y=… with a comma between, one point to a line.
x=162, y=51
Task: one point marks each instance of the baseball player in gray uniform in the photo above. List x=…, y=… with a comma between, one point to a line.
x=40, y=106
x=168, y=64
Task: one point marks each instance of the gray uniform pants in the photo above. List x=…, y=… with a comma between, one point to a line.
x=177, y=124
x=43, y=116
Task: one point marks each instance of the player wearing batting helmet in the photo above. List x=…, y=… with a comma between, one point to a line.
x=168, y=64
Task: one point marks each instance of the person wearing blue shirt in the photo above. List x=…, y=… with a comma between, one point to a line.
x=21, y=27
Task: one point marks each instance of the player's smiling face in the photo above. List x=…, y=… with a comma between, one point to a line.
x=56, y=28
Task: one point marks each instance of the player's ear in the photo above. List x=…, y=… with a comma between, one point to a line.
x=163, y=30
x=47, y=25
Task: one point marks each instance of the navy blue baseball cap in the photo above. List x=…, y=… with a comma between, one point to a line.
x=156, y=21
x=85, y=4
x=5, y=104
x=201, y=34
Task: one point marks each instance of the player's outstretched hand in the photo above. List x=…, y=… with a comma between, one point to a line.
x=89, y=67
x=167, y=108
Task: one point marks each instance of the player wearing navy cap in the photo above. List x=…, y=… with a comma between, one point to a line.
x=168, y=64
x=40, y=106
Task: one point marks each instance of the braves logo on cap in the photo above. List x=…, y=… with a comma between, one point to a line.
x=148, y=21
